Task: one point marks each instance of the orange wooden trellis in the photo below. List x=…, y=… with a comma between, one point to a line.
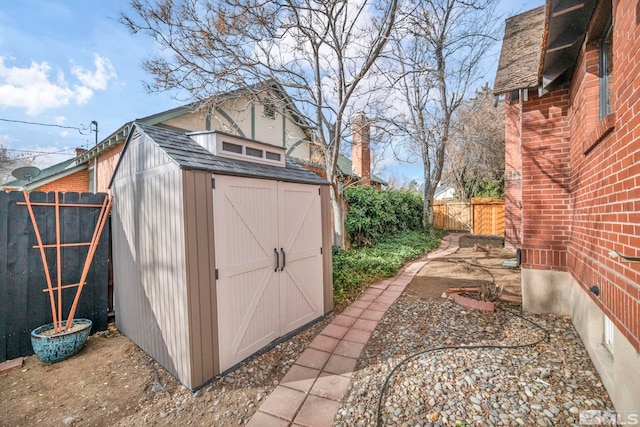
x=56, y=292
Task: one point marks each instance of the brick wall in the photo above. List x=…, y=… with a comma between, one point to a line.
x=581, y=177
x=107, y=162
x=545, y=180
x=606, y=183
x=78, y=182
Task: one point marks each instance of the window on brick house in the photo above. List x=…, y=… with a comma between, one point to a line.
x=606, y=66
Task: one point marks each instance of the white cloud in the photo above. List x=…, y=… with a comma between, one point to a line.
x=32, y=89
x=6, y=140
x=64, y=134
x=96, y=80
x=59, y=120
x=83, y=94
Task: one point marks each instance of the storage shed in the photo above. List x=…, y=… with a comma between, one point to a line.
x=221, y=246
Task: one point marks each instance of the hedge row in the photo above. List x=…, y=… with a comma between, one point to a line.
x=375, y=214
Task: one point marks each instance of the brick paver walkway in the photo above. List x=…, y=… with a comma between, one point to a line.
x=310, y=393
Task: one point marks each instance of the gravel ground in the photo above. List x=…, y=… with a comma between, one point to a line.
x=230, y=400
x=113, y=383
x=547, y=384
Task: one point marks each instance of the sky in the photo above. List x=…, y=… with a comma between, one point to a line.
x=68, y=63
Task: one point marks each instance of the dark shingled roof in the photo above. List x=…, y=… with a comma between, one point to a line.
x=189, y=155
x=521, y=52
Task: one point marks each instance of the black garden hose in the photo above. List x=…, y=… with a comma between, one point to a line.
x=545, y=337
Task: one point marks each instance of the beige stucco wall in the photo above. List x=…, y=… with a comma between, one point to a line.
x=193, y=121
x=244, y=117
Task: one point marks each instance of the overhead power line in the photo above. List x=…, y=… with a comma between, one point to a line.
x=80, y=130
x=40, y=152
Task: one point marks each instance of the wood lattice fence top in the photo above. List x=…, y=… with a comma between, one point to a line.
x=55, y=294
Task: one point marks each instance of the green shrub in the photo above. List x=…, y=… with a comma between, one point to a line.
x=375, y=214
x=354, y=269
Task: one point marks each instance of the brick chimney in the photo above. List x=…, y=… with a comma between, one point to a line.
x=80, y=151
x=361, y=150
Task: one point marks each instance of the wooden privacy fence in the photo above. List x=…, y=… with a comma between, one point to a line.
x=452, y=215
x=478, y=215
x=23, y=304
x=488, y=216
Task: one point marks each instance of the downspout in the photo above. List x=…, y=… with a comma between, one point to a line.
x=519, y=249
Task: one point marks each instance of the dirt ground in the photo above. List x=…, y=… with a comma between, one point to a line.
x=468, y=267
x=112, y=382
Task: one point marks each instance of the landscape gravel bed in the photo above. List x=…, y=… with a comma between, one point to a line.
x=546, y=384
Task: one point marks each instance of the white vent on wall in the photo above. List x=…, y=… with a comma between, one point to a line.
x=270, y=110
x=609, y=330
x=236, y=147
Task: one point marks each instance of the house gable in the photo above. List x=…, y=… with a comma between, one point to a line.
x=240, y=112
x=520, y=54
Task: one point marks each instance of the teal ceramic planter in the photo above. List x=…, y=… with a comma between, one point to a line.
x=51, y=348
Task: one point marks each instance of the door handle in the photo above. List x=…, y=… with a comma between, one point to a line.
x=277, y=259
x=284, y=259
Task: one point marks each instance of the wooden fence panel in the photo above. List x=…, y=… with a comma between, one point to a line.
x=451, y=215
x=23, y=305
x=439, y=213
x=488, y=216
x=480, y=215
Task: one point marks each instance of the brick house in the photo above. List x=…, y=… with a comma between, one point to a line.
x=569, y=72
x=69, y=175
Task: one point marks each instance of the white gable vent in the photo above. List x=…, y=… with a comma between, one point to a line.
x=236, y=147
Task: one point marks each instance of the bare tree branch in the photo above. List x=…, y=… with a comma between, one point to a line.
x=320, y=51
x=434, y=61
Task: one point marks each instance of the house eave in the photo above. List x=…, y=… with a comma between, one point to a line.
x=566, y=26
x=112, y=140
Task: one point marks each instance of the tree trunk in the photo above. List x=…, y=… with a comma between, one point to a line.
x=338, y=218
x=429, y=192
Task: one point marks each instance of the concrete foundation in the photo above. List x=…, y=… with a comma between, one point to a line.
x=546, y=291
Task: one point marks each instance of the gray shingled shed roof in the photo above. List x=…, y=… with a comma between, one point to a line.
x=189, y=155
x=521, y=52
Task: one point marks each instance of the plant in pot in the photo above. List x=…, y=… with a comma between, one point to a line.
x=62, y=338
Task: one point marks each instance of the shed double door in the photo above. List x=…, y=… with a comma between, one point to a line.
x=268, y=242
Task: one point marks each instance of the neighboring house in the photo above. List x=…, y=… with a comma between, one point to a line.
x=569, y=72
x=69, y=175
x=444, y=191
x=262, y=112
x=348, y=173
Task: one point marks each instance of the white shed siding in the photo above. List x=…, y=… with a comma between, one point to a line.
x=149, y=255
